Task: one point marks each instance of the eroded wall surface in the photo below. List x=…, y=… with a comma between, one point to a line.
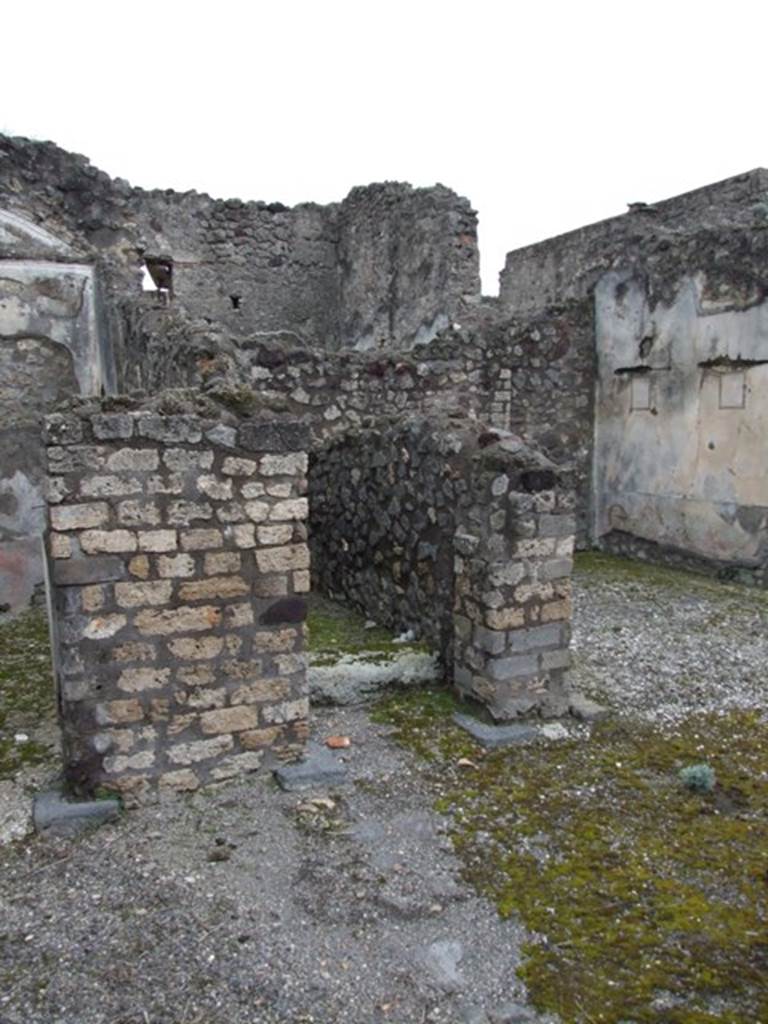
x=178, y=567
x=388, y=265
x=682, y=428
x=50, y=348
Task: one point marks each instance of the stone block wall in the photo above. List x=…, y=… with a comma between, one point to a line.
x=178, y=566
x=383, y=512
x=463, y=535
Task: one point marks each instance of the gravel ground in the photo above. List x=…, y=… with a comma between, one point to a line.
x=663, y=644
x=252, y=905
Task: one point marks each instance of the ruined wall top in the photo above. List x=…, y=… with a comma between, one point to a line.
x=690, y=232
x=389, y=265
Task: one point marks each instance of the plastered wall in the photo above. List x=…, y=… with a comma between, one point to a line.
x=50, y=348
x=681, y=420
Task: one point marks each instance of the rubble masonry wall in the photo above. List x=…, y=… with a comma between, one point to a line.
x=463, y=535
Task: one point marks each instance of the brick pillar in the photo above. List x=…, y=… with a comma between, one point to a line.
x=178, y=564
x=514, y=555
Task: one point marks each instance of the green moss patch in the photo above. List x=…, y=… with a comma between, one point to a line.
x=336, y=630
x=648, y=902
x=26, y=690
x=596, y=567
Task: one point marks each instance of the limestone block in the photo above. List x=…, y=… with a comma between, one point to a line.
x=222, y=562
x=136, y=595
x=234, y=719
x=256, y=739
x=236, y=765
x=283, y=559
x=138, y=513
x=238, y=467
x=260, y=690
x=174, y=566
x=79, y=517
x=217, y=490
x=109, y=486
x=278, y=534
x=132, y=762
x=296, y=508
x=182, y=513
x=196, y=648
x=180, y=781
x=95, y=542
x=60, y=545
x=291, y=464
x=200, y=750
x=181, y=460
x=238, y=615
x=133, y=650
x=135, y=680
x=119, y=712
x=258, y=511
x=134, y=459
x=178, y=620
x=103, y=627
x=504, y=618
x=221, y=587
x=139, y=567
x=200, y=539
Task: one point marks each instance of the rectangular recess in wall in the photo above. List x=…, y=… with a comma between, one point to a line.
x=733, y=390
x=640, y=393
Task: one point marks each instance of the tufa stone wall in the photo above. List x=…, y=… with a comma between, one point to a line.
x=461, y=534
x=178, y=565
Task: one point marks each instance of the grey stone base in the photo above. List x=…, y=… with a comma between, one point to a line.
x=318, y=768
x=55, y=815
x=586, y=710
x=495, y=735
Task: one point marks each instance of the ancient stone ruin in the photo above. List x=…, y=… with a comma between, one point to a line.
x=243, y=398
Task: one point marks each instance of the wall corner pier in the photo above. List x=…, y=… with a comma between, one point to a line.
x=179, y=566
x=513, y=557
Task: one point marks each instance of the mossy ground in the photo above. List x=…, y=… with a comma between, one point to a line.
x=593, y=568
x=26, y=690
x=336, y=630
x=647, y=903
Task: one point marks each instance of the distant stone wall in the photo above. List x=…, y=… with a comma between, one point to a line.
x=388, y=265
x=719, y=229
x=464, y=536
x=178, y=565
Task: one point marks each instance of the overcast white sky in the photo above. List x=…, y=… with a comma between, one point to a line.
x=548, y=115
